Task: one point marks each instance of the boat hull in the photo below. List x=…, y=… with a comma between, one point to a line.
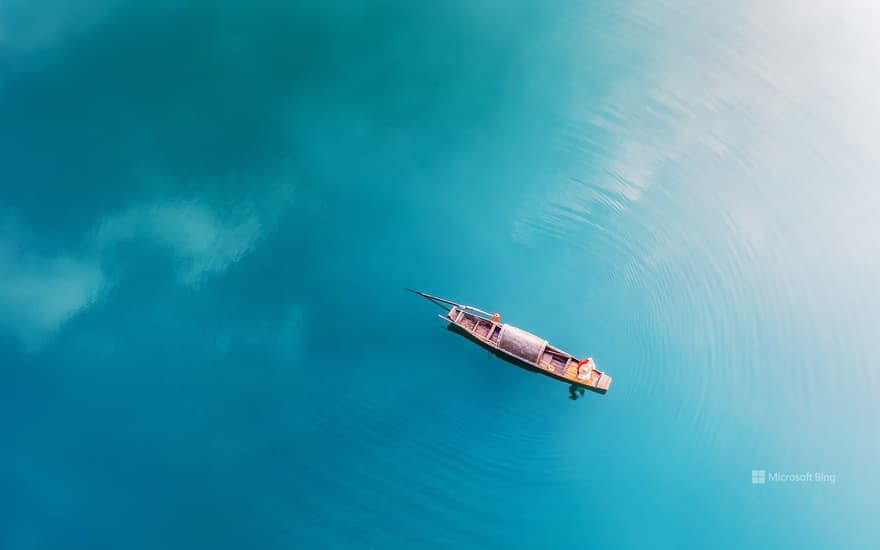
x=520, y=347
x=501, y=354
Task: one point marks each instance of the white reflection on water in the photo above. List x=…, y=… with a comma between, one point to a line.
x=739, y=203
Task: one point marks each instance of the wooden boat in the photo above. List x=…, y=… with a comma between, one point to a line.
x=520, y=347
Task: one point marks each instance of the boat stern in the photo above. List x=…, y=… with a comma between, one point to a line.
x=603, y=383
x=594, y=379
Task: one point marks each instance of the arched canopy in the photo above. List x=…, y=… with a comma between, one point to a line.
x=521, y=344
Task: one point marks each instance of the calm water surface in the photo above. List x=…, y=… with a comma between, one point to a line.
x=209, y=210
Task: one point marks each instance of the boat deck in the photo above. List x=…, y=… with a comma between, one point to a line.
x=568, y=369
x=519, y=346
x=553, y=361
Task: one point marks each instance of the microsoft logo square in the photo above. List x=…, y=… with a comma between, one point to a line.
x=759, y=477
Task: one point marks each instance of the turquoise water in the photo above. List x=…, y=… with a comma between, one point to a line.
x=209, y=210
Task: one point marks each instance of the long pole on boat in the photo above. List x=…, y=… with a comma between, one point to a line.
x=437, y=299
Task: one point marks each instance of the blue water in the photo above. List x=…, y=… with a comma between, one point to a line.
x=209, y=211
